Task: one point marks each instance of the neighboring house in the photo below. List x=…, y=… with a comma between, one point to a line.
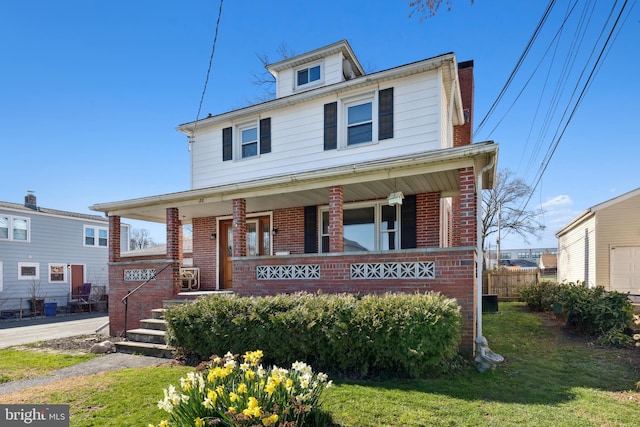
x=524, y=257
x=548, y=264
x=345, y=182
x=601, y=246
x=47, y=252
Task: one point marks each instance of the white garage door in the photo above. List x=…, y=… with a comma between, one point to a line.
x=625, y=269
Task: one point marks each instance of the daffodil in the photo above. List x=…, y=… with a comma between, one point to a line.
x=198, y=422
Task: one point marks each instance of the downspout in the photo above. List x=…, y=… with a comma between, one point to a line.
x=486, y=358
x=450, y=115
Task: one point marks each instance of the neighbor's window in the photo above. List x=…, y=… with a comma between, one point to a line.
x=96, y=236
x=369, y=227
x=359, y=123
x=308, y=75
x=57, y=273
x=28, y=271
x=14, y=228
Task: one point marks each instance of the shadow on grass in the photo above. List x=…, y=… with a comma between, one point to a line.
x=543, y=365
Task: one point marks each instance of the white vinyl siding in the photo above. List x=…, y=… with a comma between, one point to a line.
x=297, y=135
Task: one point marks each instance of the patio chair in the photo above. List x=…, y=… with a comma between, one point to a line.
x=80, y=298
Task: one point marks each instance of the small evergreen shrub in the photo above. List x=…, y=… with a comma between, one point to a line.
x=363, y=336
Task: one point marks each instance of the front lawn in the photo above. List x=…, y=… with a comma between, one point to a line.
x=548, y=378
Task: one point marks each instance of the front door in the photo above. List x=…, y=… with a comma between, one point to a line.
x=258, y=243
x=77, y=276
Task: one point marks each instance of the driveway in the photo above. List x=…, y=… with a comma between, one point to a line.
x=19, y=332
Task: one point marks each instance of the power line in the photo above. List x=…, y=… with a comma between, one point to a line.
x=206, y=80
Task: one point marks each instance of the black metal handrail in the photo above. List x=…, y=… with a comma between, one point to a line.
x=125, y=299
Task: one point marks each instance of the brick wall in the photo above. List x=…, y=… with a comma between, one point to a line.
x=204, y=251
x=454, y=277
x=141, y=303
x=336, y=218
x=114, y=239
x=290, y=225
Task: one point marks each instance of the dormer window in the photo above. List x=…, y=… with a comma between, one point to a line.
x=308, y=75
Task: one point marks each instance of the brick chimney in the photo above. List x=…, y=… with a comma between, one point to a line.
x=30, y=201
x=462, y=134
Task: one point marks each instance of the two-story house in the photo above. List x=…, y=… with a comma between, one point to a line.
x=46, y=253
x=345, y=182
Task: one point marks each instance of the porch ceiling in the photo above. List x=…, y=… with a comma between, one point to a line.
x=433, y=171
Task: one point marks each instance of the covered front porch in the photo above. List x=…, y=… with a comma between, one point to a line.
x=334, y=230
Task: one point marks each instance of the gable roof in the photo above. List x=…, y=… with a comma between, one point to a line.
x=590, y=212
x=46, y=211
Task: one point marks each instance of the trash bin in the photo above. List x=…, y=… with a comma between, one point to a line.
x=50, y=309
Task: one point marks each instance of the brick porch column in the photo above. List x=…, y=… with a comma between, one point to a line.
x=174, y=245
x=336, y=218
x=468, y=218
x=239, y=227
x=114, y=239
x=428, y=224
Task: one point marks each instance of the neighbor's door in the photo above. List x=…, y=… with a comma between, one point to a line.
x=77, y=276
x=258, y=243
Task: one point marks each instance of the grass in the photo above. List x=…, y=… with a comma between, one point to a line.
x=548, y=378
x=17, y=364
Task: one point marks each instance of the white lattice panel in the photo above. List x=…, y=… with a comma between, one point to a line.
x=394, y=270
x=139, y=275
x=288, y=272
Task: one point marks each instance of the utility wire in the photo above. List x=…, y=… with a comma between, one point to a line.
x=206, y=80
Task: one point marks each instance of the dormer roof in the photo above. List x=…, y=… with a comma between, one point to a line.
x=341, y=46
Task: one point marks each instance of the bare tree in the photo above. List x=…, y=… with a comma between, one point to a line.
x=264, y=79
x=140, y=239
x=428, y=8
x=505, y=199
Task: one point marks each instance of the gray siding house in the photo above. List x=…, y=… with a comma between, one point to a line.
x=46, y=253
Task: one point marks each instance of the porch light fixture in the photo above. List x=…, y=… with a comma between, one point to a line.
x=213, y=236
x=395, y=198
x=274, y=231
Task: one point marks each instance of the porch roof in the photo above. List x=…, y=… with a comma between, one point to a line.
x=419, y=173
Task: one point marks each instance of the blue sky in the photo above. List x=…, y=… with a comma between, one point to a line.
x=91, y=91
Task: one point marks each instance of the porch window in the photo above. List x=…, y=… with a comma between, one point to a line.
x=368, y=227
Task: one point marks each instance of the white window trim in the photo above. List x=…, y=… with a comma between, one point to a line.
x=343, y=119
x=10, y=219
x=314, y=83
x=238, y=137
x=64, y=272
x=1, y=276
x=28, y=264
x=96, y=243
x=377, y=217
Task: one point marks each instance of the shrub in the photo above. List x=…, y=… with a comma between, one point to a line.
x=230, y=393
x=541, y=296
x=391, y=334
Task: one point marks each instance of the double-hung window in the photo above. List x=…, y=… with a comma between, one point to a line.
x=57, y=273
x=366, y=227
x=359, y=123
x=96, y=236
x=307, y=75
x=14, y=228
x=249, y=140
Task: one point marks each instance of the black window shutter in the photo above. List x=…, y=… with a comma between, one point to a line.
x=265, y=135
x=310, y=230
x=331, y=126
x=385, y=114
x=227, y=146
x=408, y=223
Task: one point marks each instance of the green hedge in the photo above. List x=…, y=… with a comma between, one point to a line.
x=393, y=334
x=591, y=311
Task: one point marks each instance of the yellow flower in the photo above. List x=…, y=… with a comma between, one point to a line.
x=250, y=375
x=233, y=397
x=163, y=423
x=253, y=409
x=220, y=390
x=242, y=388
x=268, y=421
x=233, y=409
x=199, y=422
x=271, y=387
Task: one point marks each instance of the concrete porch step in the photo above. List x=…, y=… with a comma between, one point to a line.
x=152, y=336
x=156, y=324
x=158, y=313
x=146, y=349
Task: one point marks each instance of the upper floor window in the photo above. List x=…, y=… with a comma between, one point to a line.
x=505, y=255
x=14, y=228
x=96, y=236
x=251, y=140
x=359, y=123
x=523, y=255
x=308, y=75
